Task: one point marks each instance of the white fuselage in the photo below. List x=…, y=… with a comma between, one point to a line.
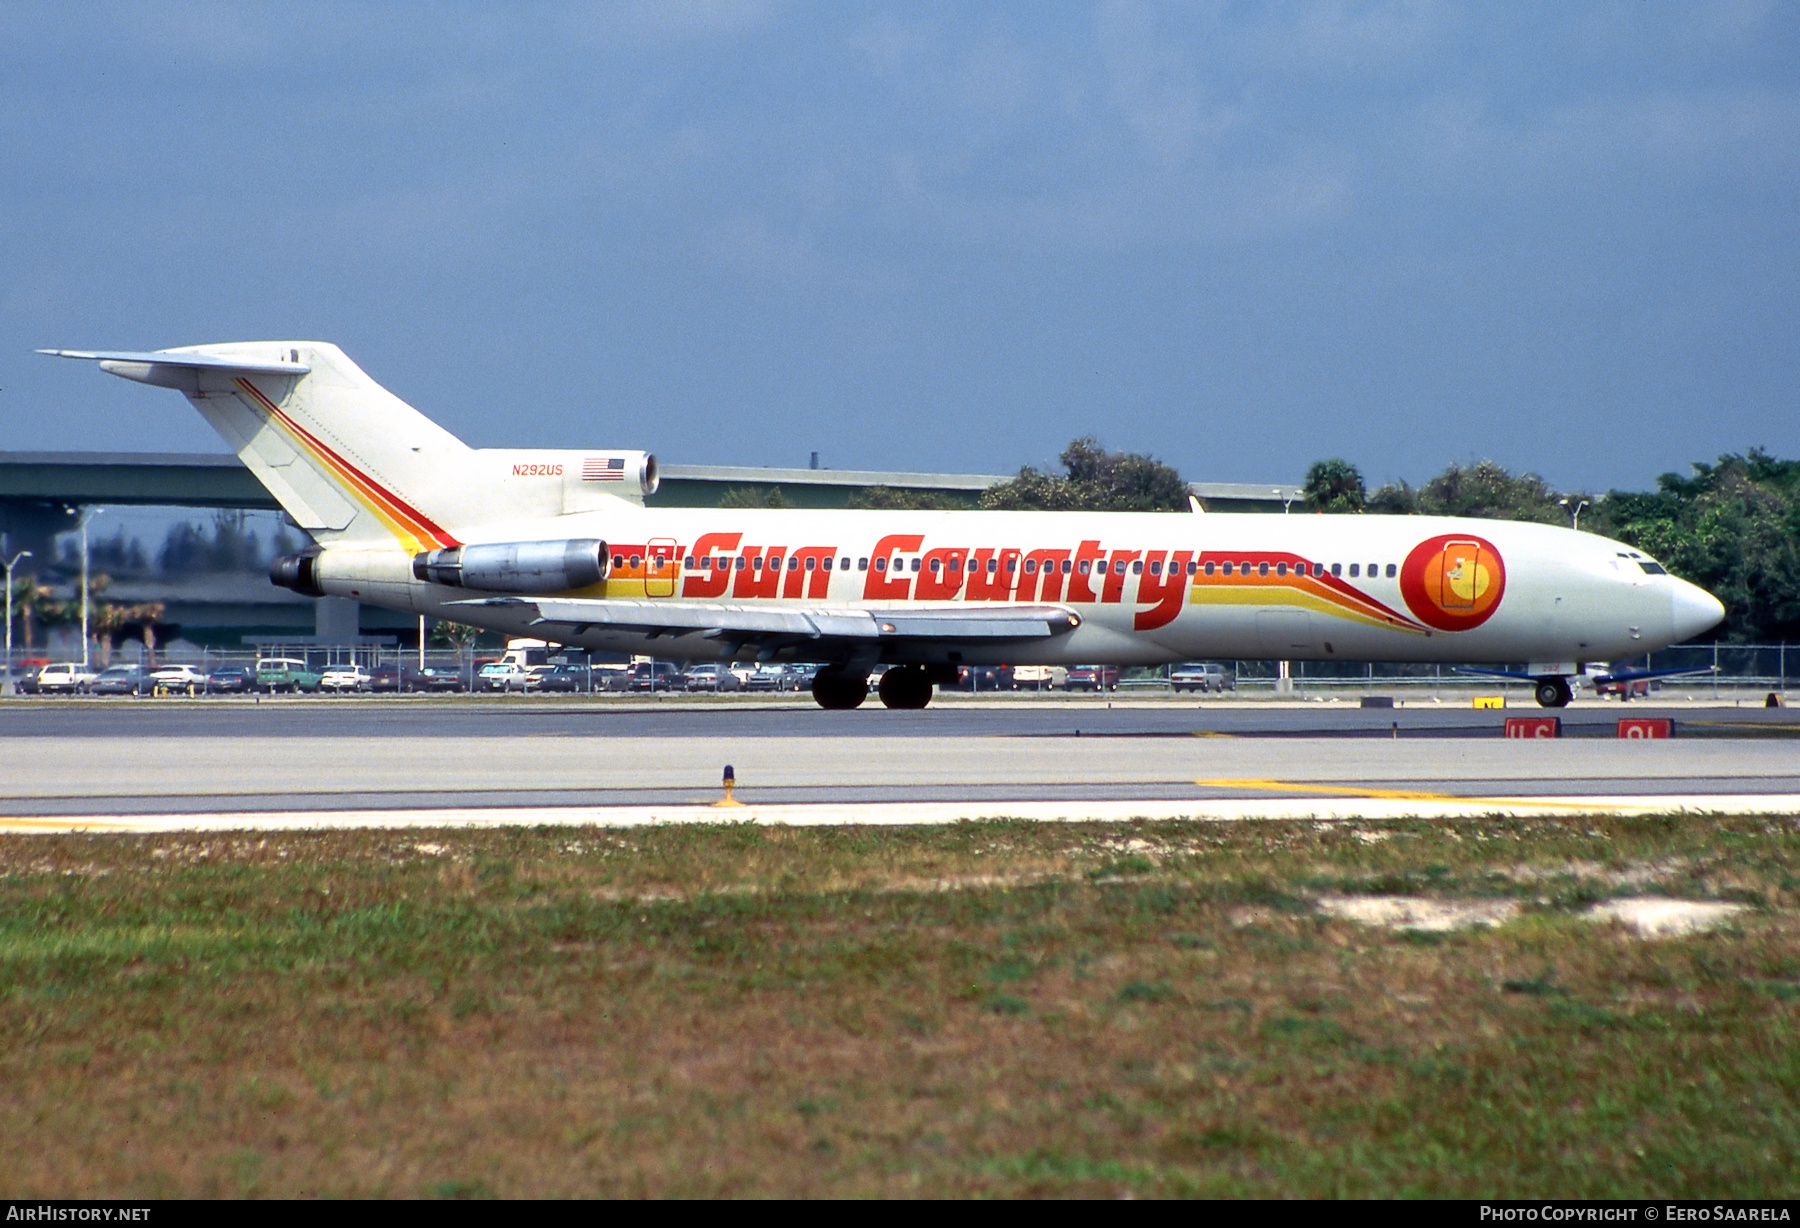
x=1566, y=597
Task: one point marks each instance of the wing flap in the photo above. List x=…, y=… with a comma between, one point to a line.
x=748, y=623
x=667, y=617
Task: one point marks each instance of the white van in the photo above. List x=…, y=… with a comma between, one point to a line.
x=66, y=678
x=1040, y=677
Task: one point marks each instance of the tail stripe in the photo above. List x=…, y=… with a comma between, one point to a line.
x=402, y=517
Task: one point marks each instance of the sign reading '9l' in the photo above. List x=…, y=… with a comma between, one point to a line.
x=1453, y=583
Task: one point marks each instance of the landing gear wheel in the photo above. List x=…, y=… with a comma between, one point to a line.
x=906, y=687
x=1554, y=693
x=839, y=690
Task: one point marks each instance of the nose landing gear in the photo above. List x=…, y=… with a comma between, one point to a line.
x=1554, y=692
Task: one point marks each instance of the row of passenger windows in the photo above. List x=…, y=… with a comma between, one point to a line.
x=812, y=563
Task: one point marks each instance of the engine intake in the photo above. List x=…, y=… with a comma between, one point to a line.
x=298, y=572
x=516, y=567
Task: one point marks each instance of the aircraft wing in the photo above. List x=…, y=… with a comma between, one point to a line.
x=825, y=626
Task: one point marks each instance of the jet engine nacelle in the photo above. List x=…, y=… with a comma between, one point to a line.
x=298, y=572
x=516, y=567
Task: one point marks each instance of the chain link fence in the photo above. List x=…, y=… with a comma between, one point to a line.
x=1722, y=671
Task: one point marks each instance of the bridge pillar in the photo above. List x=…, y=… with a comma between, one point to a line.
x=337, y=619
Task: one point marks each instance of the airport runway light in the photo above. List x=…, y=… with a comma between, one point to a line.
x=730, y=783
x=10, y=564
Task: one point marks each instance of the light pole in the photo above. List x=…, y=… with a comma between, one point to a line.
x=86, y=516
x=10, y=564
x=1574, y=512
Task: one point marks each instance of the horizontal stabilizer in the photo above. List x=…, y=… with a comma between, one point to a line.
x=180, y=358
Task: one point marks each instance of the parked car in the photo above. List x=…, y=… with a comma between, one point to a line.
x=392, y=679
x=1092, y=678
x=985, y=678
x=169, y=679
x=504, y=676
x=610, y=677
x=342, y=678
x=231, y=680
x=1040, y=677
x=64, y=678
x=771, y=677
x=656, y=676
x=25, y=678
x=120, y=680
x=712, y=676
x=290, y=674
x=562, y=679
x=1199, y=676
x=1627, y=690
x=438, y=678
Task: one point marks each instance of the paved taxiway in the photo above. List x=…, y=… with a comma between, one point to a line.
x=155, y=766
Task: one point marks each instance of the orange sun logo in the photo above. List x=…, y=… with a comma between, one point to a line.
x=1453, y=583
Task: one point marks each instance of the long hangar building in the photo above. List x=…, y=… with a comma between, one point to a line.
x=43, y=494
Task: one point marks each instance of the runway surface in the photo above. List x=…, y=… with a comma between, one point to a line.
x=675, y=717
x=167, y=765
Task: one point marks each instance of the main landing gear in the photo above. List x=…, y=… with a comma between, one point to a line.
x=1554, y=692
x=839, y=690
x=905, y=687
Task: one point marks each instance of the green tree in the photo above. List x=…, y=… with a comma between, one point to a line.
x=893, y=499
x=1484, y=490
x=752, y=497
x=1094, y=480
x=1733, y=528
x=1334, y=485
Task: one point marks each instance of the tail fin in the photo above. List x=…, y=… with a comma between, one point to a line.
x=347, y=459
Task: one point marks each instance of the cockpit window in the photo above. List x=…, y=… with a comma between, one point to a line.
x=1654, y=569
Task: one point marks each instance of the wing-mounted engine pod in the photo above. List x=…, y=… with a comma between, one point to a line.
x=516, y=567
x=298, y=572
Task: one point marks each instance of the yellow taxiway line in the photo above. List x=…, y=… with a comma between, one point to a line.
x=1314, y=789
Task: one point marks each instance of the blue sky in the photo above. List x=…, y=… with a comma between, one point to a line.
x=1241, y=237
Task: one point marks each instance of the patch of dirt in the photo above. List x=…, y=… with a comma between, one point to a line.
x=1651, y=917
x=1404, y=913
x=1632, y=874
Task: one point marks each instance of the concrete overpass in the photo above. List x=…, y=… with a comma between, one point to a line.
x=41, y=493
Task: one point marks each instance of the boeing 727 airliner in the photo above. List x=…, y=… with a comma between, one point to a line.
x=559, y=545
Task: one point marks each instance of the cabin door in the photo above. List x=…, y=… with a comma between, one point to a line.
x=660, y=565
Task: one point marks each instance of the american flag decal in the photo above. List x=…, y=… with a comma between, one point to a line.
x=603, y=469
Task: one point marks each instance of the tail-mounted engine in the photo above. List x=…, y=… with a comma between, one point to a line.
x=516, y=567
x=298, y=572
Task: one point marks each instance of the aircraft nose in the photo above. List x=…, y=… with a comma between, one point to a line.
x=1693, y=610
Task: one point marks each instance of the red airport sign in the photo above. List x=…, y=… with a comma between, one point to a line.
x=1534, y=726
